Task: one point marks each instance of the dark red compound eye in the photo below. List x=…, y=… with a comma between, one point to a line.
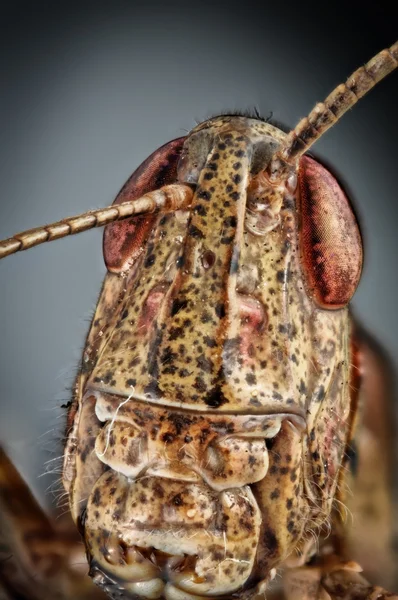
x=124, y=240
x=331, y=246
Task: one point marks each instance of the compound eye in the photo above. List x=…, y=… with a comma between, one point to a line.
x=331, y=246
x=124, y=241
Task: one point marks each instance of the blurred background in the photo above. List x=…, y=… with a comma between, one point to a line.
x=90, y=90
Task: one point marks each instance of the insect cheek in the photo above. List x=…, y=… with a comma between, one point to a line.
x=330, y=241
x=82, y=467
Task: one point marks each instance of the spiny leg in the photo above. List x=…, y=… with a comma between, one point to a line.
x=332, y=581
x=369, y=535
x=38, y=561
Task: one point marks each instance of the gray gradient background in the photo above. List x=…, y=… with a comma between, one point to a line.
x=89, y=90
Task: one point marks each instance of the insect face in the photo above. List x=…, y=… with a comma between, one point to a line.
x=209, y=343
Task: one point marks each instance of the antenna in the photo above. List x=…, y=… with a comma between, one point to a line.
x=326, y=114
x=167, y=199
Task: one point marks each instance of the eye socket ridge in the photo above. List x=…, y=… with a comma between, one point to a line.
x=125, y=240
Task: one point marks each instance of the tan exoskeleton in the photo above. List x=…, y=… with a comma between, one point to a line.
x=215, y=410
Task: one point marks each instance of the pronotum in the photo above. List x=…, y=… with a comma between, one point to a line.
x=216, y=404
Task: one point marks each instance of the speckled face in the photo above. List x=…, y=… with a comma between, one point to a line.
x=212, y=410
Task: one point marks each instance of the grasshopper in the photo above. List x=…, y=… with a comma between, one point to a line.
x=219, y=398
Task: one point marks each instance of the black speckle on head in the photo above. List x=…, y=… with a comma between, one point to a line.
x=204, y=364
x=176, y=332
x=158, y=490
x=200, y=210
x=215, y=398
x=210, y=342
x=252, y=460
x=96, y=497
x=302, y=388
x=204, y=195
x=230, y=221
x=270, y=542
x=168, y=355
x=251, y=378
x=200, y=384
x=254, y=402
x=227, y=239
x=195, y=232
x=315, y=455
x=178, y=305
x=206, y=317
x=220, y=310
x=84, y=452
x=149, y=261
